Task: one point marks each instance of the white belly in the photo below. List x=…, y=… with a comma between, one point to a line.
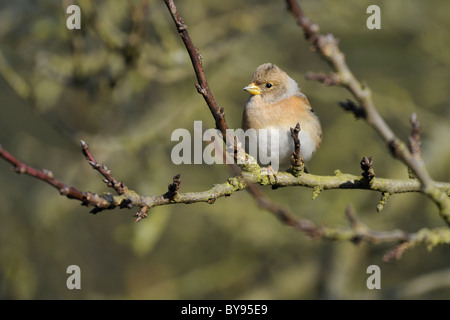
x=276, y=146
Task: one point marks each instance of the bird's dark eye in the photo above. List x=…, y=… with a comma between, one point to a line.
x=268, y=85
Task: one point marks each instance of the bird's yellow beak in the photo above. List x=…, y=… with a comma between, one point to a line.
x=252, y=88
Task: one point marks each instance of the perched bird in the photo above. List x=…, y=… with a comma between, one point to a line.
x=276, y=103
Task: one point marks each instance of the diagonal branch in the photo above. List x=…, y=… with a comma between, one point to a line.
x=358, y=232
x=86, y=198
x=196, y=59
x=328, y=48
x=110, y=181
x=203, y=88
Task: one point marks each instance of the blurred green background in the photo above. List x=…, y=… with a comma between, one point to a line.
x=124, y=82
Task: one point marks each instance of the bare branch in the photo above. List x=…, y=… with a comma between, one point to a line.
x=297, y=164
x=357, y=233
x=104, y=171
x=250, y=177
x=86, y=198
x=429, y=237
x=327, y=47
x=196, y=59
x=203, y=86
x=130, y=198
x=331, y=79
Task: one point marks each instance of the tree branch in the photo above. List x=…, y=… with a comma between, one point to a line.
x=196, y=59
x=203, y=88
x=328, y=48
x=251, y=176
x=128, y=198
x=104, y=171
x=86, y=198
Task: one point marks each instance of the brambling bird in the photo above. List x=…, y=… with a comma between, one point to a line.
x=277, y=103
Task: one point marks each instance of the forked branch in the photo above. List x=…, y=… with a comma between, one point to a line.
x=251, y=177
x=327, y=47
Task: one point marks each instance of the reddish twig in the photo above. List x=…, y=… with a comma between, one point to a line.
x=103, y=170
x=202, y=86
x=356, y=234
x=311, y=30
x=397, y=252
x=196, y=59
x=86, y=198
x=284, y=214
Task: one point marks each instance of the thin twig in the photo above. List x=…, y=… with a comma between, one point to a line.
x=173, y=188
x=110, y=181
x=86, y=198
x=196, y=59
x=415, y=145
x=297, y=164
